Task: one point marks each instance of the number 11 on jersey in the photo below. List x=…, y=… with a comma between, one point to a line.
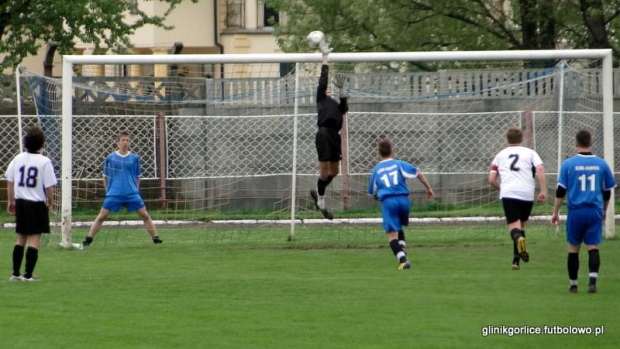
x=591, y=178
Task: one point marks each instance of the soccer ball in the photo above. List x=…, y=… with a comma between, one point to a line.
x=315, y=38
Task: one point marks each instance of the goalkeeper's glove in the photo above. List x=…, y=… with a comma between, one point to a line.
x=339, y=81
x=324, y=47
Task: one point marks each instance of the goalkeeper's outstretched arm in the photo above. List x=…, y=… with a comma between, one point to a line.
x=321, y=92
x=339, y=81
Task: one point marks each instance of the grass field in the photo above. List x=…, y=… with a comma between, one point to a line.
x=198, y=292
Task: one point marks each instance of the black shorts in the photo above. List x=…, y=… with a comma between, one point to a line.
x=517, y=210
x=328, y=143
x=31, y=217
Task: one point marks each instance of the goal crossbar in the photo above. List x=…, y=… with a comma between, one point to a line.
x=605, y=55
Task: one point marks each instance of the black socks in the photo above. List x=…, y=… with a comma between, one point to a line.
x=32, y=255
x=573, y=265
x=397, y=249
x=321, y=185
x=18, y=256
x=594, y=263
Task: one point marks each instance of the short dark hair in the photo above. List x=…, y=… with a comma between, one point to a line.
x=584, y=138
x=385, y=148
x=34, y=139
x=514, y=135
x=122, y=133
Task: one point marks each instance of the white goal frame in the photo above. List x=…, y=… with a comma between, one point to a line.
x=605, y=55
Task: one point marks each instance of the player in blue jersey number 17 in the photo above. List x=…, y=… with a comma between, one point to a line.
x=388, y=185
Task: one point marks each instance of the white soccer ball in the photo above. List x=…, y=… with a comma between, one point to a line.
x=315, y=38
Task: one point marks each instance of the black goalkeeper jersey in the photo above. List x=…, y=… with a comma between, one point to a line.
x=330, y=112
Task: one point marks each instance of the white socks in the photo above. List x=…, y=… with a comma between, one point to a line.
x=321, y=202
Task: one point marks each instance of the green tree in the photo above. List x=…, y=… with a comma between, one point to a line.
x=428, y=25
x=25, y=25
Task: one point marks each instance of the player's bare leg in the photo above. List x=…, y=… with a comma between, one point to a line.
x=96, y=226
x=149, y=225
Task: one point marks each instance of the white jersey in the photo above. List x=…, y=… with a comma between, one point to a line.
x=516, y=166
x=31, y=174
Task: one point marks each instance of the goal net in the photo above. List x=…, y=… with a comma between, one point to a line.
x=227, y=142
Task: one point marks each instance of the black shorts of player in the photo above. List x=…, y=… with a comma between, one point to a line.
x=517, y=210
x=327, y=143
x=31, y=217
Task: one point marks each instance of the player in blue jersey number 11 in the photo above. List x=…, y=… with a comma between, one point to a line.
x=587, y=180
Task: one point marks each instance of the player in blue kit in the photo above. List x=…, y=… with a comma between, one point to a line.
x=588, y=181
x=388, y=185
x=121, y=179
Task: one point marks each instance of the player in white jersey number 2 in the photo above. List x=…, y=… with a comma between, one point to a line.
x=517, y=166
x=30, y=188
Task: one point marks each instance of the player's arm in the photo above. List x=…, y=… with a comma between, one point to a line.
x=429, y=190
x=339, y=81
x=49, y=193
x=10, y=203
x=542, y=183
x=321, y=91
x=494, y=178
x=344, y=104
x=49, y=181
x=138, y=172
x=105, y=183
x=10, y=189
x=610, y=184
x=372, y=187
x=560, y=193
x=606, y=198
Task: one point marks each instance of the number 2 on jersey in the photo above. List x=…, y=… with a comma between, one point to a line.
x=514, y=162
x=386, y=179
x=591, y=178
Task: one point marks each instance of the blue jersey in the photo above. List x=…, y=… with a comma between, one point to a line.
x=585, y=177
x=122, y=173
x=388, y=178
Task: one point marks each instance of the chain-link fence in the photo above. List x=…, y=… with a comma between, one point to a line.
x=229, y=144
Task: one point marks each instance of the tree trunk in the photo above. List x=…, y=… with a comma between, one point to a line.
x=594, y=20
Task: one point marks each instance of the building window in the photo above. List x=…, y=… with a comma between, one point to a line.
x=267, y=15
x=235, y=14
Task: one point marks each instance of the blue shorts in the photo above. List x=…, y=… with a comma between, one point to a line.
x=132, y=202
x=395, y=212
x=584, y=225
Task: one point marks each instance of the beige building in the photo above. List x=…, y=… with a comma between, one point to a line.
x=205, y=27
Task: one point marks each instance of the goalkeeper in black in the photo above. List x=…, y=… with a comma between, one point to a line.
x=327, y=140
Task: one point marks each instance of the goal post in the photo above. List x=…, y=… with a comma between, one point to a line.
x=70, y=61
